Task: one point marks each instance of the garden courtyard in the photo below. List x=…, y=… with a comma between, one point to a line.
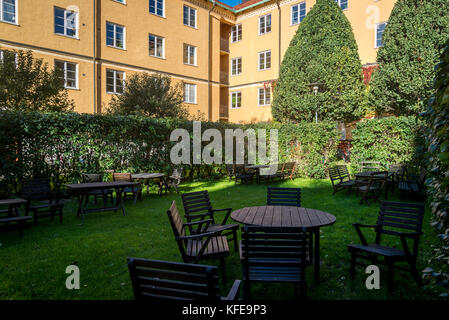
x=34, y=267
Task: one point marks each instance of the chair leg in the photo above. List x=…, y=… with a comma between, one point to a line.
x=246, y=290
x=390, y=276
x=223, y=269
x=353, y=262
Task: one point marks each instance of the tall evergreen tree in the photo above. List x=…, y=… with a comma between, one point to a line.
x=323, y=52
x=413, y=38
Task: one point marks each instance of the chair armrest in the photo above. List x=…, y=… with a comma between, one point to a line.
x=228, y=212
x=365, y=225
x=197, y=236
x=200, y=228
x=234, y=292
x=197, y=222
x=359, y=232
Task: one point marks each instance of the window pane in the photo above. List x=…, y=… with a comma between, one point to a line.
x=152, y=45
x=110, y=34
x=9, y=11
x=186, y=15
x=59, y=21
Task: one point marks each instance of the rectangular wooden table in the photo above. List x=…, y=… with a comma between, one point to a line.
x=82, y=189
x=13, y=214
x=150, y=176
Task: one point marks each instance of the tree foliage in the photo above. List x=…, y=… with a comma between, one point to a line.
x=322, y=51
x=150, y=96
x=27, y=84
x=437, y=118
x=413, y=38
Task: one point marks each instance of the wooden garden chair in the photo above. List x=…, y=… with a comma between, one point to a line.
x=413, y=185
x=370, y=166
x=274, y=254
x=374, y=187
x=271, y=176
x=176, y=178
x=230, y=171
x=289, y=170
x=341, y=179
x=164, y=280
x=128, y=192
x=42, y=201
x=399, y=220
x=201, y=245
x=198, y=207
x=241, y=174
x=396, y=174
x=283, y=197
x=97, y=193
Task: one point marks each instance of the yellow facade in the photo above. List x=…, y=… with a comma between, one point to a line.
x=34, y=29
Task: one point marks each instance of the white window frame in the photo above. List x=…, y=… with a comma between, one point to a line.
x=265, y=24
x=188, y=17
x=115, y=35
x=235, y=60
x=375, y=34
x=292, y=23
x=264, y=97
x=155, y=8
x=76, y=36
x=115, y=72
x=264, y=54
x=65, y=74
x=339, y=4
x=16, y=13
x=235, y=30
x=155, y=49
x=236, y=93
x=189, y=55
x=187, y=98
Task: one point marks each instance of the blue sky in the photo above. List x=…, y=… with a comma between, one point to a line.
x=231, y=2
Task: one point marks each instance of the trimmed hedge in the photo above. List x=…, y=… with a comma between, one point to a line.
x=64, y=145
x=390, y=140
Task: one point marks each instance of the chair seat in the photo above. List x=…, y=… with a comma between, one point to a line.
x=378, y=249
x=408, y=186
x=348, y=183
x=273, y=273
x=222, y=227
x=216, y=245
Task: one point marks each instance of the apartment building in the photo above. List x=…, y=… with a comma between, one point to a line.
x=225, y=58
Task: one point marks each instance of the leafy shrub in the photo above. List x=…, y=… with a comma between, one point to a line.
x=390, y=140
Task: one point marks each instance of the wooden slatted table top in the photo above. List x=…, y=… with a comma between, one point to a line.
x=147, y=175
x=12, y=201
x=99, y=185
x=283, y=216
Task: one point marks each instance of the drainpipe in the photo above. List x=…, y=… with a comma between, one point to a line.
x=209, y=89
x=278, y=3
x=94, y=55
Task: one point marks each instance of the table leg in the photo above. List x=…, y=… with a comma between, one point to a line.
x=119, y=192
x=80, y=203
x=317, y=255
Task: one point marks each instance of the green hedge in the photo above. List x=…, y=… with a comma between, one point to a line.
x=390, y=140
x=63, y=145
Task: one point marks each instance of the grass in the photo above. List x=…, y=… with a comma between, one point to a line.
x=34, y=267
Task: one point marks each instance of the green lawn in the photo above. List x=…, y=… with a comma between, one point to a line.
x=34, y=267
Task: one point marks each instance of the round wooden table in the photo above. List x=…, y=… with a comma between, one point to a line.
x=287, y=216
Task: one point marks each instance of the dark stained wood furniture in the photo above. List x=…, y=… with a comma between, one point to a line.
x=82, y=189
x=413, y=185
x=230, y=171
x=41, y=200
x=288, y=216
x=283, y=196
x=341, y=179
x=197, y=207
x=100, y=193
x=373, y=187
x=274, y=254
x=272, y=174
x=370, y=166
x=399, y=220
x=158, y=178
x=242, y=175
x=132, y=192
x=201, y=245
x=175, y=179
x=164, y=280
x=11, y=218
x=289, y=170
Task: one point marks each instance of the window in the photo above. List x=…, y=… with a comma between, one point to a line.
x=2, y=57
x=343, y=4
x=8, y=11
x=298, y=12
x=189, y=17
x=236, y=100
x=189, y=93
x=66, y=22
x=380, y=28
x=157, y=7
x=189, y=54
x=115, y=35
x=236, y=66
x=115, y=81
x=157, y=46
x=264, y=96
x=265, y=24
x=68, y=73
x=265, y=60
x=236, y=33
x=121, y=1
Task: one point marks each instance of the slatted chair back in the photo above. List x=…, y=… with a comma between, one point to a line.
x=36, y=189
x=274, y=253
x=370, y=166
x=422, y=177
x=178, y=173
x=116, y=176
x=284, y=197
x=92, y=177
x=398, y=170
x=163, y=280
x=399, y=217
x=344, y=173
x=334, y=175
x=197, y=205
x=177, y=226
